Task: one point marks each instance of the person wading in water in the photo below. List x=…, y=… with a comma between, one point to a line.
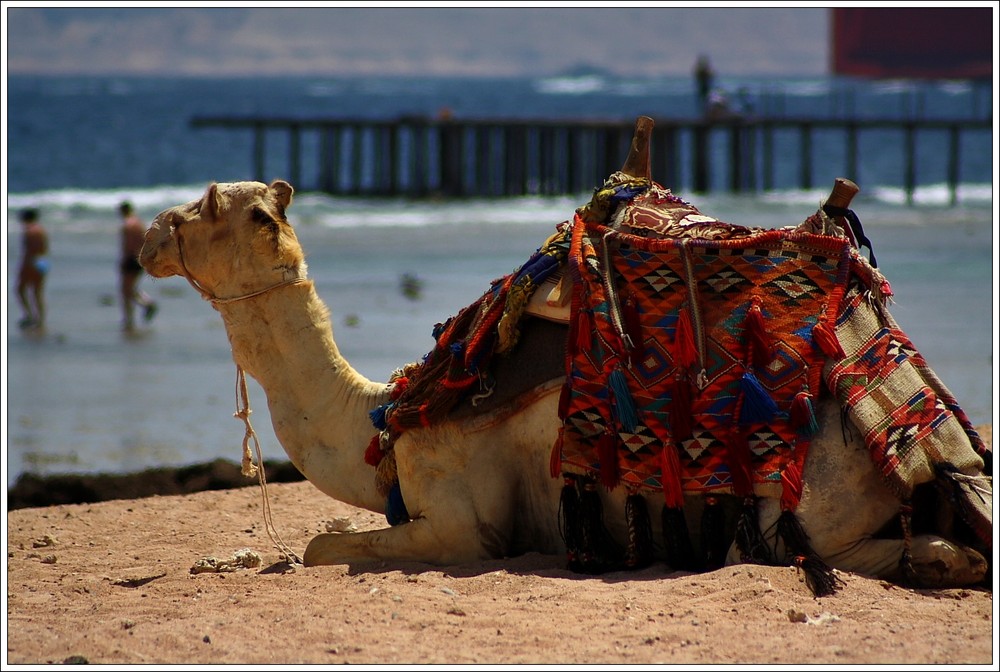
x=132, y=234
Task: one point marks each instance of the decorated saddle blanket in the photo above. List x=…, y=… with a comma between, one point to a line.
x=695, y=352
x=692, y=362
x=697, y=349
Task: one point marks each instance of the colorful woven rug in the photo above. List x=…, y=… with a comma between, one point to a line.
x=912, y=424
x=692, y=362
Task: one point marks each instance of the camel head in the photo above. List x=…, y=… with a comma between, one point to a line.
x=233, y=241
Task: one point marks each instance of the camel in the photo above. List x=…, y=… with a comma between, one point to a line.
x=477, y=485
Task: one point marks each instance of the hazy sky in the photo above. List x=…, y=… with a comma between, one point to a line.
x=328, y=38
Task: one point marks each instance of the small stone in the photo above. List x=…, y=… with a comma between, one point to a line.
x=796, y=616
x=341, y=524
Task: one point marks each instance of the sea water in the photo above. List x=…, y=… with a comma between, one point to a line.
x=86, y=397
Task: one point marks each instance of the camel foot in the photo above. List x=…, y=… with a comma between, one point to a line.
x=326, y=549
x=938, y=563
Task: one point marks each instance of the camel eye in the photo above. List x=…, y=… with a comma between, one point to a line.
x=261, y=217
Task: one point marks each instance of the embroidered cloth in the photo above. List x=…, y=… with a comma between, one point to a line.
x=706, y=292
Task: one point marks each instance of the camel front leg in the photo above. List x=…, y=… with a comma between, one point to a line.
x=446, y=528
x=418, y=540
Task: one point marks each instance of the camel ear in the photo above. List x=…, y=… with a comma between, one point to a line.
x=209, y=206
x=283, y=192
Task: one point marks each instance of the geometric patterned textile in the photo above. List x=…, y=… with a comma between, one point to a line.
x=692, y=362
x=910, y=420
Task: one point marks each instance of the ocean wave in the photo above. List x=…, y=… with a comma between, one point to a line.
x=86, y=210
x=576, y=86
x=143, y=198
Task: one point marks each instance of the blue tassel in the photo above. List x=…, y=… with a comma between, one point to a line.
x=378, y=416
x=802, y=415
x=627, y=192
x=624, y=404
x=395, y=508
x=758, y=406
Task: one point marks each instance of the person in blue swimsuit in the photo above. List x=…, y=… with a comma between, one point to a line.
x=34, y=268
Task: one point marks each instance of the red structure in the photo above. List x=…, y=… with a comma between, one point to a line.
x=918, y=42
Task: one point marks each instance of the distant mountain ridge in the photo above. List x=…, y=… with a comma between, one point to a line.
x=494, y=41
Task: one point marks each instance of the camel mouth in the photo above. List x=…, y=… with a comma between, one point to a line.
x=153, y=242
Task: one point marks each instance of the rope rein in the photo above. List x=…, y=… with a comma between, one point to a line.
x=243, y=411
x=248, y=468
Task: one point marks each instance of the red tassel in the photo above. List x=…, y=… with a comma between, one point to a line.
x=555, y=458
x=670, y=476
x=685, y=350
x=373, y=453
x=633, y=326
x=607, y=455
x=680, y=409
x=584, y=335
x=791, y=486
x=738, y=452
x=401, y=384
x=827, y=341
x=801, y=415
x=564, y=397
x=760, y=340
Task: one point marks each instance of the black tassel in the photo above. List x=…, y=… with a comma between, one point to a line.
x=677, y=540
x=905, y=560
x=640, y=533
x=569, y=521
x=599, y=552
x=749, y=539
x=819, y=576
x=714, y=544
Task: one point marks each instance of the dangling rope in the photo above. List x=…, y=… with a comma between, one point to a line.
x=250, y=469
x=247, y=466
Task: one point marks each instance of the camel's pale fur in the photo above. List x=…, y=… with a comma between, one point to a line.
x=474, y=488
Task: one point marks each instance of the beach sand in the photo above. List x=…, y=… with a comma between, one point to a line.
x=112, y=583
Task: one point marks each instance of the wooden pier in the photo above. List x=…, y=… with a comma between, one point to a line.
x=421, y=157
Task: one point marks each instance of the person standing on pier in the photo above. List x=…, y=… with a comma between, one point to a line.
x=703, y=77
x=132, y=233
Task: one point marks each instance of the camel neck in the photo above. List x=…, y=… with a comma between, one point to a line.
x=318, y=403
